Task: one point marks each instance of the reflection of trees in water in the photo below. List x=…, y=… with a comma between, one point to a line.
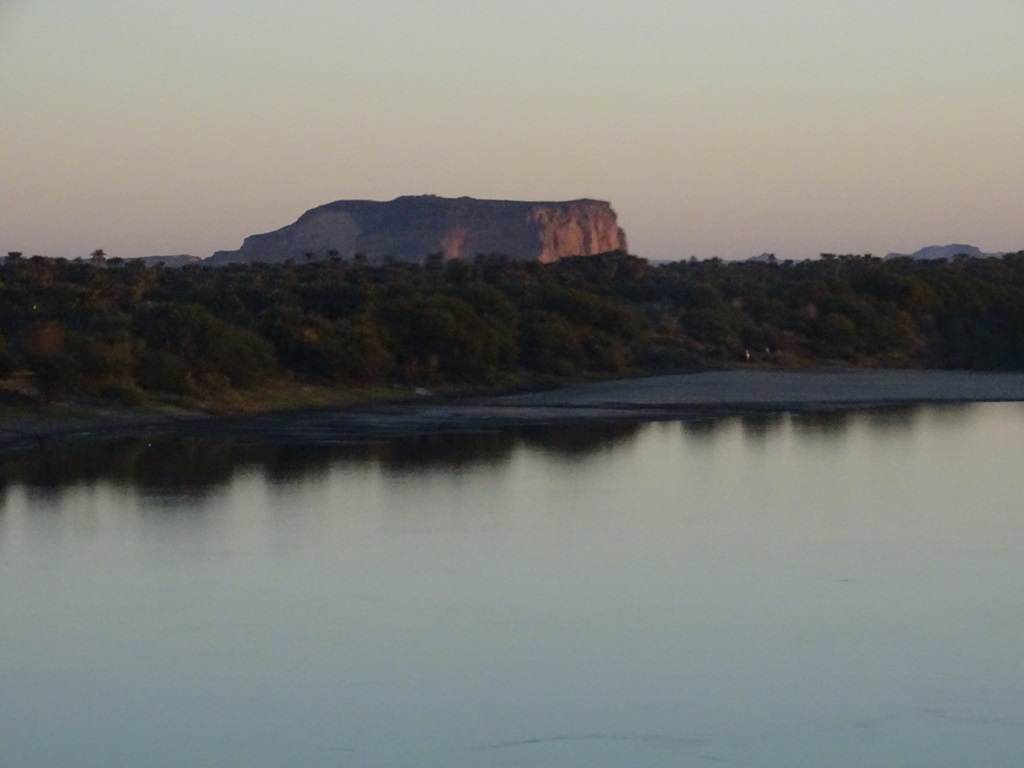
x=162, y=465
x=835, y=424
x=755, y=425
x=195, y=466
x=706, y=428
x=443, y=451
x=830, y=424
x=826, y=423
x=891, y=418
x=462, y=450
x=290, y=462
x=760, y=426
x=183, y=465
x=576, y=440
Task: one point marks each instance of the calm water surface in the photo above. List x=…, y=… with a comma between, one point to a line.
x=835, y=590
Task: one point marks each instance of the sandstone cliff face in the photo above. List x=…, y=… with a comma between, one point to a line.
x=410, y=228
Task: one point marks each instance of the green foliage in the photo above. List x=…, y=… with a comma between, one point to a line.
x=198, y=349
x=118, y=329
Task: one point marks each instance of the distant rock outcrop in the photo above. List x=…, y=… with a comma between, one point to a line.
x=411, y=228
x=944, y=253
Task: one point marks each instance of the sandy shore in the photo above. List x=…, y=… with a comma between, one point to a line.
x=786, y=389
x=647, y=399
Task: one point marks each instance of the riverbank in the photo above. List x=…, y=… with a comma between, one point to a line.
x=658, y=398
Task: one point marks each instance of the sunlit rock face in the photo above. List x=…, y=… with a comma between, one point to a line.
x=411, y=228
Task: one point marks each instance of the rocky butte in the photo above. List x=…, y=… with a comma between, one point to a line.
x=411, y=228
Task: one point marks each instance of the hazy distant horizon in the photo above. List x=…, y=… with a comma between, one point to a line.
x=633, y=251
x=84, y=253
x=728, y=129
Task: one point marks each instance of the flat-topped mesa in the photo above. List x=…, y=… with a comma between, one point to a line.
x=411, y=228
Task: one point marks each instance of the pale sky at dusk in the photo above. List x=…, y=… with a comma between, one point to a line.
x=715, y=127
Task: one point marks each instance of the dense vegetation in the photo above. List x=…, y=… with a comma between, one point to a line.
x=118, y=328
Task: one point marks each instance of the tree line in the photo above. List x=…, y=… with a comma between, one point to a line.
x=118, y=328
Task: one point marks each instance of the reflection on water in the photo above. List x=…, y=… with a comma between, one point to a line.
x=185, y=465
x=571, y=441
x=896, y=417
x=196, y=465
x=423, y=452
x=766, y=590
x=158, y=463
x=758, y=426
x=824, y=423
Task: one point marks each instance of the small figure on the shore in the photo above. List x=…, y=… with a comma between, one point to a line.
x=748, y=355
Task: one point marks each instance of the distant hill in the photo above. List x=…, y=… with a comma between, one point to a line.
x=944, y=252
x=411, y=228
x=178, y=260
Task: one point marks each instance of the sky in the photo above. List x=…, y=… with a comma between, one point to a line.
x=721, y=128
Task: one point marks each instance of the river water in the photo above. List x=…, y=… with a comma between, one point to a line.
x=841, y=589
